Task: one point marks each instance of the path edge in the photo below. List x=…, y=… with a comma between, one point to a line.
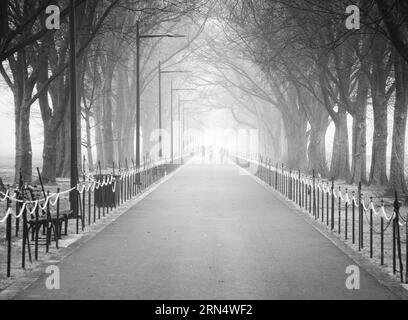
x=382, y=277
x=23, y=283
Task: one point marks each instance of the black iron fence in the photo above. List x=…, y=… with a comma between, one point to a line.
x=44, y=220
x=360, y=221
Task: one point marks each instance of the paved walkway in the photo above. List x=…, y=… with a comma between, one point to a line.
x=208, y=233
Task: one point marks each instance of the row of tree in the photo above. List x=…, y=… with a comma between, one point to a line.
x=315, y=71
x=34, y=63
x=289, y=68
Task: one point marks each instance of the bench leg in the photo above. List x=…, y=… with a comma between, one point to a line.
x=32, y=232
x=55, y=227
x=37, y=229
x=48, y=237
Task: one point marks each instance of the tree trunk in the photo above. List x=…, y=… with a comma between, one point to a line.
x=317, y=150
x=4, y=20
x=107, y=118
x=89, y=141
x=359, y=150
x=22, y=91
x=340, y=163
x=67, y=146
x=397, y=170
x=274, y=141
x=297, y=143
x=394, y=14
x=129, y=147
x=52, y=119
x=60, y=150
x=49, y=155
x=378, y=162
x=319, y=121
x=127, y=115
x=2, y=186
x=23, y=159
x=66, y=171
x=100, y=150
x=121, y=114
x=359, y=140
x=378, y=171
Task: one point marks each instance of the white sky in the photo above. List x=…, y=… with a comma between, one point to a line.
x=7, y=137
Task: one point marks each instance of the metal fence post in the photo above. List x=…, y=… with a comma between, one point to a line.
x=371, y=228
x=397, y=234
x=290, y=184
x=8, y=237
x=276, y=177
x=322, y=211
x=37, y=226
x=24, y=241
x=317, y=203
x=327, y=205
x=359, y=216
x=394, y=264
x=339, y=209
x=382, y=241
x=299, y=191
x=353, y=219
x=314, y=193
x=346, y=217
x=406, y=249
x=332, y=205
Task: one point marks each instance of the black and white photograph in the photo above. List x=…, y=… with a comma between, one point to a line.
x=203, y=156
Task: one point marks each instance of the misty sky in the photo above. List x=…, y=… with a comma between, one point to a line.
x=7, y=138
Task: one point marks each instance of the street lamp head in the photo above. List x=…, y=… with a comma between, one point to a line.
x=177, y=36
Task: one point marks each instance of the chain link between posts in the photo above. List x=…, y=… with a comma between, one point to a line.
x=324, y=186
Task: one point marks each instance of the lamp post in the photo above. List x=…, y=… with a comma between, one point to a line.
x=138, y=38
x=73, y=101
x=160, y=107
